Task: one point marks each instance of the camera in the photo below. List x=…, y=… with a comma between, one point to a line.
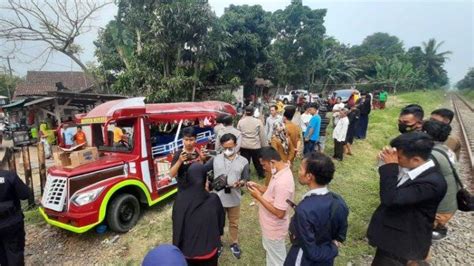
x=218, y=183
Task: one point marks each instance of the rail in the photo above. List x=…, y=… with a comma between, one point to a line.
x=465, y=102
x=463, y=130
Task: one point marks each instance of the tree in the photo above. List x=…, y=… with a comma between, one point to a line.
x=8, y=84
x=416, y=57
x=399, y=75
x=161, y=49
x=433, y=61
x=250, y=32
x=381, y=44
x=55, y=23
x=467, y=83
x=373, y=50
x=299, y=39
x=333, y=66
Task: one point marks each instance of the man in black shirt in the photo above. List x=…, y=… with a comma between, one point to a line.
x=184, y=157
x=364, y=107
x=411, y=188
x=12, y=231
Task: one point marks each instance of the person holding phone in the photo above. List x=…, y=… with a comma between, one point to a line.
x=273, y=208
x=319, y=224
x=185, y=157
x=236, y=171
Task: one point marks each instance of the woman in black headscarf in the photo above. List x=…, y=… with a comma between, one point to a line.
x=198, y=219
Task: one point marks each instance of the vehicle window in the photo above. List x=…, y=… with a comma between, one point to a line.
x=344, y=93
x=120, y=136
x=162, y=133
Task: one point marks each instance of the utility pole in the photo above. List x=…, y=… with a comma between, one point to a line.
x=11, y=74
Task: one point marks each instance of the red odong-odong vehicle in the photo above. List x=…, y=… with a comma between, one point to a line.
x=124, y=177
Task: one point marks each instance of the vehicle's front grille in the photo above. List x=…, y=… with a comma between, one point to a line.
x=55, y=192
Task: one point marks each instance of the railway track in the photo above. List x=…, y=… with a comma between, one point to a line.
x=465, y=116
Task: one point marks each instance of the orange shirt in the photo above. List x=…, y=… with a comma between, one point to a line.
x=80, y=138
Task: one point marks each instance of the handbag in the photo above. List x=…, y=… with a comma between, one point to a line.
x=463, y=196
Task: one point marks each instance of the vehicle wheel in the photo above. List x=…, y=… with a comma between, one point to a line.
x=123, y=213
x=285, y=101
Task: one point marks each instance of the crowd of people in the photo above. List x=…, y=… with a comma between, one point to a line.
x=418, y=188
x=418, y=185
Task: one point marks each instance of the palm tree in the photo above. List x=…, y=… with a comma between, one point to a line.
x=333, y=67
x=434, y=60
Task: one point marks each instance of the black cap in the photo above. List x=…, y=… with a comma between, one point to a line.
x=249, y=109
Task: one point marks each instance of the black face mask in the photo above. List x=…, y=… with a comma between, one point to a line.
x=406, y=128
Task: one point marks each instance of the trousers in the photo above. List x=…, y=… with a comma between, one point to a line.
x=12, y=245
x=338, y=149
x=254, y=155
x=383, y=258
x=308, y=146
x=276, y=251
x=233, y=215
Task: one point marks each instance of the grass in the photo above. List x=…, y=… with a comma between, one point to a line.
x=468, y=94
x=33, y=217
x=356, y=180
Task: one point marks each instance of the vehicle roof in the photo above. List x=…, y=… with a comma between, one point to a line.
x=159, y=111
x=344, y=90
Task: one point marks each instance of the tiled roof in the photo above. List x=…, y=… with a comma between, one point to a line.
x=38, y=83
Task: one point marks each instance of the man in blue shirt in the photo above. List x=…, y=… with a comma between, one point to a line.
x=311, y=136
x=319, y=224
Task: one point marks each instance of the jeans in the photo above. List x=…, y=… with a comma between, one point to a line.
x=321, y=143
x=309, y=146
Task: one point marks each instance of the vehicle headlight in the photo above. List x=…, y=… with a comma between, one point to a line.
x=87, y=196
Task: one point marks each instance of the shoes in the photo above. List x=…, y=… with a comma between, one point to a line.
x=235, y=249
x=439, y=233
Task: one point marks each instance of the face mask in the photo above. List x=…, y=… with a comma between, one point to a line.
x=405, y=128
x=229, y=152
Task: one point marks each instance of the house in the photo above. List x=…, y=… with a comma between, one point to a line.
x=39, y=83
x=54, y=95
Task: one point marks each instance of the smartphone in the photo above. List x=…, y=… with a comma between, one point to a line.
x=291, y=203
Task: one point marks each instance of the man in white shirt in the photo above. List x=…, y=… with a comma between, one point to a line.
x=336, y=109
x=305, y=117
x=271, y=120
x=339, y=134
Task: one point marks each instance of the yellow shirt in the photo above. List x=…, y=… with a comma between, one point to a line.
x=280, y=107
x=118, y=134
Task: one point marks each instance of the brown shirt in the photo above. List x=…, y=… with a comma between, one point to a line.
x=454, y=144
x=294, y=136
x=253, y=133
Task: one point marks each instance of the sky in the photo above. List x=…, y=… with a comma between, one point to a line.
x=349, y=21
